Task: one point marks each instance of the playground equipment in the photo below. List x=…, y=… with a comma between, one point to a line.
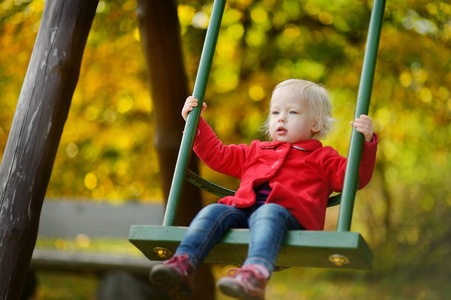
x=330, y=249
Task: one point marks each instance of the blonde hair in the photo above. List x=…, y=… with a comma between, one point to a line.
x=318, y=99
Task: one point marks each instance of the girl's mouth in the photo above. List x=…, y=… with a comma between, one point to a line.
x=281, y=130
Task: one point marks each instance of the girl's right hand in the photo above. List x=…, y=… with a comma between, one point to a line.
x=190, y=103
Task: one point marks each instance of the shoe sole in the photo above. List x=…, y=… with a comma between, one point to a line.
x=168, y=281
x=233, y=290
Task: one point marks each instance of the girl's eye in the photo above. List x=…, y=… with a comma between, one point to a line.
x=293, y=112
x=274, y=113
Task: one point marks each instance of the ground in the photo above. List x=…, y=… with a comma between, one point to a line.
x=295, y=283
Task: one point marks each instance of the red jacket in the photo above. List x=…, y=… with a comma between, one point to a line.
x=301, y=175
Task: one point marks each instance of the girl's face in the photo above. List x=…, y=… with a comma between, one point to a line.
x=291, y=119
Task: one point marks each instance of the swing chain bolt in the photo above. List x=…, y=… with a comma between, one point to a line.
x=339, y=260
x=163, y=252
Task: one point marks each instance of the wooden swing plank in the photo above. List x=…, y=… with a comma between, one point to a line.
x=302, y=248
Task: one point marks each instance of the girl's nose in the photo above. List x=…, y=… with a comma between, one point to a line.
x=282, y=118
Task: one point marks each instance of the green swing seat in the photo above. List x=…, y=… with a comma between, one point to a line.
x=324, y=249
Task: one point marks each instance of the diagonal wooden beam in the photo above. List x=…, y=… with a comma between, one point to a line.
x=36, y=130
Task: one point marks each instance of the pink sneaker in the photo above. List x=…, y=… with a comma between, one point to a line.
x=247, y=283
x=175, y=276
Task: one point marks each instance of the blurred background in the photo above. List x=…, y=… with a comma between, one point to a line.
x=106, y=154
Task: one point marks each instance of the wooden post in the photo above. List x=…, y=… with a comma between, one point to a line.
x=160, y=34
x=35, y=133
x=200, y=87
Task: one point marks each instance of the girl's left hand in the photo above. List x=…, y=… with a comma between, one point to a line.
x=364, y=125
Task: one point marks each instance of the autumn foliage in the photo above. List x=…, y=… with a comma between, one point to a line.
x=107, y=152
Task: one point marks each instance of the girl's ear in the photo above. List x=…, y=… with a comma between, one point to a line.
x=317, y=124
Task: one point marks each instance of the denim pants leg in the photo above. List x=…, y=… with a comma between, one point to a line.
x=268, y=227
x=208, y=228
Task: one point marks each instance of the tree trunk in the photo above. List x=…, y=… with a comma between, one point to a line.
x=36, y=131
x=160, y=34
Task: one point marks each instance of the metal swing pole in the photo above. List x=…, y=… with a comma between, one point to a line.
x=351, y=181
x=200, y=87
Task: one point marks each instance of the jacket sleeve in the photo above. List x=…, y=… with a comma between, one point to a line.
x=226, y=159
x=334, y=166
x=368, y=161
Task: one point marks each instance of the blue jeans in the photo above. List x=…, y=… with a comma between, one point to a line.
x=268, y=225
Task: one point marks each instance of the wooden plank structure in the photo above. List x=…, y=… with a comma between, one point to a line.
x=70, y=218
x=332, y=249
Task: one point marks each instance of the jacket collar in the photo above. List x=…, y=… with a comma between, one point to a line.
x=307, y=145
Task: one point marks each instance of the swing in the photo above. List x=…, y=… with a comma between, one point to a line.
x=326, y=249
